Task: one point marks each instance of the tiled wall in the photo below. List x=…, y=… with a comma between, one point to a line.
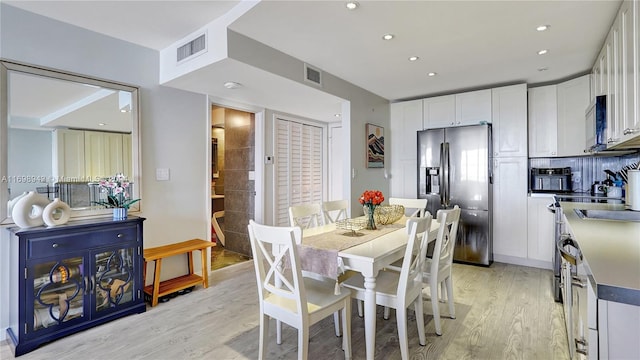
x=586, y=169
x=239, y=191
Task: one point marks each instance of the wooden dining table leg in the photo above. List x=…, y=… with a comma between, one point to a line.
x=370, y=315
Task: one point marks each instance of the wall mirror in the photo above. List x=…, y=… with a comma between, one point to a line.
x=61, y=133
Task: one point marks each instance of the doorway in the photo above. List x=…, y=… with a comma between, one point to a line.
x=232, y=192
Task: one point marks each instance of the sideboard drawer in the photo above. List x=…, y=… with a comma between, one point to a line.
x=64, y=243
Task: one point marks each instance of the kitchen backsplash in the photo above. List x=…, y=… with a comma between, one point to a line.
x=587, y=169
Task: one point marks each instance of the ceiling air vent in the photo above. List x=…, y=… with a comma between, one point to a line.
x=312, y=75
x=192, y=48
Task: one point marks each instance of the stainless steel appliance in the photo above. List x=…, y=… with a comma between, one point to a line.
x=550, y=179
x=596, y=124
x=574, y=293
x=454, y=169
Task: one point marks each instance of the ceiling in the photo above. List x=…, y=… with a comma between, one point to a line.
x=469, y=44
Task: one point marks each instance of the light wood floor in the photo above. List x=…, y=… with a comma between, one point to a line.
x=503, y=312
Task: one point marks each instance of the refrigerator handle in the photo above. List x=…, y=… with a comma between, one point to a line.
x=443, y=187
x=445, y=166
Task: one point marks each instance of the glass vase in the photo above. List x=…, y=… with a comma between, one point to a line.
x=371, y=221
x=120, y=213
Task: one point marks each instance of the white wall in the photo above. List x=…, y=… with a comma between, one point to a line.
x=173, y=125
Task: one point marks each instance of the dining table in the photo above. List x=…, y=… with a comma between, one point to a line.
x=381, y=249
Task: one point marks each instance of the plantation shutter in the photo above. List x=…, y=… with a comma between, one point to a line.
x=298, y=164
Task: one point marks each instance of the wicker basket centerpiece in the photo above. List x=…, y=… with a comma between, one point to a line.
x=386, y=214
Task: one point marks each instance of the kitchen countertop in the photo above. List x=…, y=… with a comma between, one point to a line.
x=611, y=251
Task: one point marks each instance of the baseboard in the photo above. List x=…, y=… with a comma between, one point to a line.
x=523, y=261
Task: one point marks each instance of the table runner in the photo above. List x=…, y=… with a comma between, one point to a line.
x=319, y=253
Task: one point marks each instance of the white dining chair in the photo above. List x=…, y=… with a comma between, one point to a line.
x=400, y=290
x=438, y=268
x=417, y=206
x=306, y=215
x=334, y=210
x=286, y=295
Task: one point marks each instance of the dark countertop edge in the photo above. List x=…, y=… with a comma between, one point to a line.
x=618, y=294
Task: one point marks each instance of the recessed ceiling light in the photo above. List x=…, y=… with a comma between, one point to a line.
x=101, y=124
x=432, y=74
x=232, y=85
x=543, y=68
x=387, y=36
x=352, y=5
x=543, y=27
x=337, y=115
x=543, y=51
x=413, y=58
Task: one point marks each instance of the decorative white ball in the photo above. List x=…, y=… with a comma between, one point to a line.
x=56, y=213
x=27, y=211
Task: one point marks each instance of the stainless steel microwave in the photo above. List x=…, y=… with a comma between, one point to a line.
x=596, y=124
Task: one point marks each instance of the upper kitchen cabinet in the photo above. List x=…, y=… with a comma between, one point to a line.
x=509, y=114
x=619, y=66
x=439, y=112
x=543, y=120
x=473, y=107
x=406, y=120
x=573, y=101
x=557, y=118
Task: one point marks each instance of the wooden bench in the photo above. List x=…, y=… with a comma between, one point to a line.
x=162, y=288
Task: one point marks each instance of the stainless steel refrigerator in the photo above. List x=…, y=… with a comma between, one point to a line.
x=454, y=168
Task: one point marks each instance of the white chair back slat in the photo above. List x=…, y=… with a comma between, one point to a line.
x=306, y=215
x=334, y=210
x=418, y=206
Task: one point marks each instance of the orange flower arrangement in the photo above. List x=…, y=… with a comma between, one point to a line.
x=370, y=199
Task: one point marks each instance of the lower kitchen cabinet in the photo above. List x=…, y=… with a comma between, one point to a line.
x=72, y=277
x=618, y=329
x=540, y=230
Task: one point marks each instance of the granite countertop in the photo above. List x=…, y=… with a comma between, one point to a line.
x=611, y=252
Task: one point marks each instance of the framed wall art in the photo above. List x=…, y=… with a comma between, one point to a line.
x=375, y=146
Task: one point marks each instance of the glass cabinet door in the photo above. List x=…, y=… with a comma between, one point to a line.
x=58, y=288
x=114, y=278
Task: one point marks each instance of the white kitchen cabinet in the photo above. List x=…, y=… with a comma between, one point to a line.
x=557, y=118
x=439, y=112
x=618, y=329
x=573, y=101
x=68, y=155
x=540, y=230
x=473, y=107
x=619, y=66
x=543, y=120
x=509, y=113
x=406, y=121
x=510, y=207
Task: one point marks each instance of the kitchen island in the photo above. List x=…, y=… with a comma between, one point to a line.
x=602, y=308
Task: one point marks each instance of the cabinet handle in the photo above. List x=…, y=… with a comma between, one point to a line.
x=55, y=245
x=576, y=281
x=120, y=235
x=612, y=140
x=582, y=342
x=628, y=131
